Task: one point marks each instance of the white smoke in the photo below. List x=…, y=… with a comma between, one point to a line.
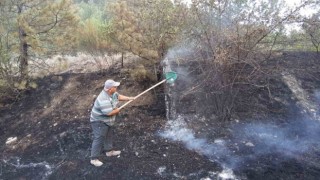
x=177, y=130
x=289, y=141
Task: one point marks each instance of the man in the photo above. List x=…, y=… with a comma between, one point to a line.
x=102, y=120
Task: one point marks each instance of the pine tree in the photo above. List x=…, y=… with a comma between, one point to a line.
x=37, y=28
x=146, y=28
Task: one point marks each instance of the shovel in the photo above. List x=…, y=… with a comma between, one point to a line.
x=170, y=77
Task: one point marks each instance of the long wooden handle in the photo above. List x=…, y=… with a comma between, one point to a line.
x=142, y=93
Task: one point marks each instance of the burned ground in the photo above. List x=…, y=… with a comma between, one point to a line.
x=54, y=135
x=53, y=132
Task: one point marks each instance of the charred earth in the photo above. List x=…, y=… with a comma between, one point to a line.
x=46, y=133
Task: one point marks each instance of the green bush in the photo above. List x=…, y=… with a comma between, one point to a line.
x=142, y=75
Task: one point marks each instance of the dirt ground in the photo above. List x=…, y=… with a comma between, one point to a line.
x=53, y=134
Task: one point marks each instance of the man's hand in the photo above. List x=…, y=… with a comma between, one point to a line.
x=115, y=111
x=125, y=98
x=131, y=98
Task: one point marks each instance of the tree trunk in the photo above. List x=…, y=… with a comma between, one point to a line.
x=122, y=54
x=23, y=48
x=23, y=59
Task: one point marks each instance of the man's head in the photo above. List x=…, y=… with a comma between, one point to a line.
x=111, y=86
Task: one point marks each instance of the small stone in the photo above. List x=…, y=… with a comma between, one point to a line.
x=63, y=134
x=249, y=144
x=219, y=141
x=11, y=140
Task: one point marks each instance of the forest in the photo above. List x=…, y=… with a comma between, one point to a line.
x=227, y=35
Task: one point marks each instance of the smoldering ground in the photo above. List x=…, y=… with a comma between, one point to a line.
x=249, y=142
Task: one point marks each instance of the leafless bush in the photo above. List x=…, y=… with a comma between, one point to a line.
x=231, y=57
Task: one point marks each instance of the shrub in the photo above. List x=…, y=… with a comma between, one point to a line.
x=142, y=75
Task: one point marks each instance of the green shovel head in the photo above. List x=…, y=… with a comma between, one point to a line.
x=171, y=77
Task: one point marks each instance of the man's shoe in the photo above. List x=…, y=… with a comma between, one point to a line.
x=113, y=153
x=96, y=162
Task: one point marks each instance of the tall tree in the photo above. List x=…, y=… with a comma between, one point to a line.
x=38, y=28
x=147, y=28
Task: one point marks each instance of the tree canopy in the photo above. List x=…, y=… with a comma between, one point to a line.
x=147, y=28
x=34, y=29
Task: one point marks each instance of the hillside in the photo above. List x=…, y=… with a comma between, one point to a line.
x=53, y=134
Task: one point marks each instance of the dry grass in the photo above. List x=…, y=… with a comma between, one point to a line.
x=80, y=63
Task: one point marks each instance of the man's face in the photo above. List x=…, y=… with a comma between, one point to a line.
x=113, y=89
